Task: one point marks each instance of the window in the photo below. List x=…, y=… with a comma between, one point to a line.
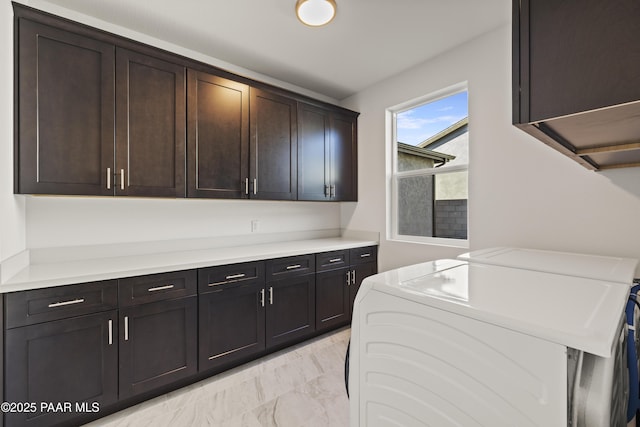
x=430, y=161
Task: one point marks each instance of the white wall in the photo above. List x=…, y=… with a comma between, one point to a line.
x=72, y=221
x=12, y=224
x=522, y=193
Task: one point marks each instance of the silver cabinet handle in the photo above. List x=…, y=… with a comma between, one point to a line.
x=293, y=267
x=271, y=295
x=122, y=179
x=110, y=332
x=262, y=297
x=108, y=178
x=246, y=186
x=126, y=328
x=326, y=190
x=335, y=260
x=63, y=303
x=353, y=277
x=161, y=288
x=365, y=255
x=332, y=191
x=255, y=185
x=235, y=276
x=348, y=278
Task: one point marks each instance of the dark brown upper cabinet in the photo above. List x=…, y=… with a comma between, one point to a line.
x=274, y=141
x=241, y=141
x=96, y=120
x=150, y=126
x=99, y=114
x=64, y=112
x=575, y=74
x=218, y=136
x=327, y=154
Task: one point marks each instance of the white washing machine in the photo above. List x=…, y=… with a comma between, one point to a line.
x=470, y=343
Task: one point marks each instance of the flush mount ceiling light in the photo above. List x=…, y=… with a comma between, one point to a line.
x=316, y=13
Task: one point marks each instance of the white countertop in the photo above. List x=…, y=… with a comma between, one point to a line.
x=65, y=272
x=576, y=312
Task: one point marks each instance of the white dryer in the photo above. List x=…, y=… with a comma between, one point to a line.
x=465, y=343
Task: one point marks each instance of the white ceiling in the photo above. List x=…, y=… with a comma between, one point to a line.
x=368, y=41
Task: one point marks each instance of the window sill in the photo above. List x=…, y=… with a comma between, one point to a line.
x=434, y=241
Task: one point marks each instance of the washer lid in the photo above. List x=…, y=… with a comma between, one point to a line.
x=612, y=269
x=584, y=314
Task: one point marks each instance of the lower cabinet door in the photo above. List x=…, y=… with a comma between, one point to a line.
x=332, y=298
x=359, y=273
x=231, y=324
x=61, y=369
x=291, y=310
x=158, y=344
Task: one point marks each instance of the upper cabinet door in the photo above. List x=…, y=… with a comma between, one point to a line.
x=344, y=158
x=327, y=155
x=150, y=126
x=577, y=55
x=218, y=136
x=65, y=119
x=313, y=153
x=273, y=152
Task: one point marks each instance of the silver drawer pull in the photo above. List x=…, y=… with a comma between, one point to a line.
x=271, y=295
x=161, y=288
x=126, y=328
x=110, y=332
x=365, y=255
x=335, y=260
x=235, y=276
x=293, y=267
x=63, y=303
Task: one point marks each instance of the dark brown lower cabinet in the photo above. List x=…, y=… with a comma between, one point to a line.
x=158, y=344
x=232, y=323
x=359, y=273
x=332, y=298
x=290, y=309
x=72, y=361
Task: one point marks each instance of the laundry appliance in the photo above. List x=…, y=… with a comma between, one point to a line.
x=500, y=337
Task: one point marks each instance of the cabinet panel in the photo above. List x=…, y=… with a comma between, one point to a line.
x=71, y=360
x=232, y=323
x=65, y=108
x=583, y=55
x=332, y=260
x=209, y=279
x=274, y=139
x=290, y=266
x=344, y=158
x=313, y=152
x=363, y=255
x=44, y=305
x=158, y=344
x=150, y=126
x=332, y=298
x=290, y=309
x=327, y=154
x=359, y=273
x=156, y=287
x=218, y=136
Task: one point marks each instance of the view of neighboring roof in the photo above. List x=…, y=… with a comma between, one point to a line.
x=423, y=152
x=446, y=135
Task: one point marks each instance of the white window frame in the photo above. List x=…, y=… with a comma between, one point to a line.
x=393, y=175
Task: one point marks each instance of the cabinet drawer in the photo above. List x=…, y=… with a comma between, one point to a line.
x=332, y=260
x=212, y=278
x=44, y=305
x=157, y=287
x=363, y=255
x=280, y=268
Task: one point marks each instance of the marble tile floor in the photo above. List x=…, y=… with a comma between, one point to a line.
x=302, y=386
